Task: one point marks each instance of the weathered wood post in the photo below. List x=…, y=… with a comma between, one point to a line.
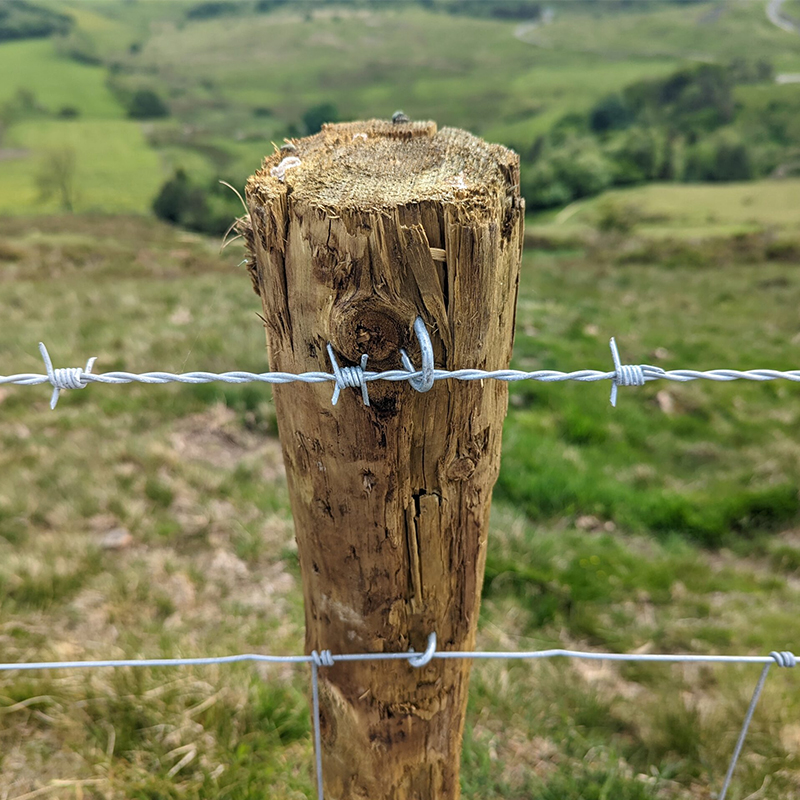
x=369, y=225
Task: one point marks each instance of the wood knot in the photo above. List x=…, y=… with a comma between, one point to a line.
x=461, y=469
x=372, y=327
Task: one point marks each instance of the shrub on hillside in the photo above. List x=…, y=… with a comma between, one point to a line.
x=20, y=19
x=146, y=104
x=616, y=217
x=641, y=154
x=206, y=209
x=79, y=46
x=265, y=6
x=743, y=71
x=214, y=8
x=318, y=115
x=577, y=169
x=721, y=158
x=610, y=114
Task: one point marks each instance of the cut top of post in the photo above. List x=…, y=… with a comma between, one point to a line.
x=377, y=164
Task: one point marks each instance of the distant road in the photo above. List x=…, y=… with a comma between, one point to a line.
x=775, y=17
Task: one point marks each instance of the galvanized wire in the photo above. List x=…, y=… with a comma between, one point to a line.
x=358, y=376
x=421, y=380
x=325, y=658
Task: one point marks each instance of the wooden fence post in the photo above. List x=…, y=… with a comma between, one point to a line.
x=352, y=234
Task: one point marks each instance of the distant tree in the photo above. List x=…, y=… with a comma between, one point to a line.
x=640, y=155
x=542, y=188
x=612, y=113
x=742, y=70
x=565, y=173
x=265, y=6
x=57, y=177
x=207, y=209
x=20, y=19
x=214, y=8
x=316, y=116
x=499, y=9
x=176, y=199
x=721, y=158
x=79, y=46
x=692, y=101
x=146, y=104
x=732, y=160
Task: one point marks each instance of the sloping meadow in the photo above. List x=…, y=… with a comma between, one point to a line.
x=146, y=521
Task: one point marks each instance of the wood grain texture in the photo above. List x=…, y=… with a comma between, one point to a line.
x=380, y=223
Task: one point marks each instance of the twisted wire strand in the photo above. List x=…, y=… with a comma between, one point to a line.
x=510, y=375
x=364, y=376
x=358, y=377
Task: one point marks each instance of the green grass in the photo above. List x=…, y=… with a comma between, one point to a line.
x=56, y=81
x=668, y=524
x=194, y=474
x=671, y=458
x=685, y=210
x=703, y=31
x=115, y=169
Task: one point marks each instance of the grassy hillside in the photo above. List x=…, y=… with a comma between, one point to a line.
x=683, y=211
x=710, y=31
x=115, y=170
x=237, y=82
x=144, y=521
x=190, y=480
x=54, y=81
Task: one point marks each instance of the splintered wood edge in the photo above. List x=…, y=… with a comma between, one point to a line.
x=374, y=165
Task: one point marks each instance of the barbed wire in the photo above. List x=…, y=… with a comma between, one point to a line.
x=422, y=380
x=325, y=658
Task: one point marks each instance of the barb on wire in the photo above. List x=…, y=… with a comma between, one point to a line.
x=69, y=378
x=630, y=374
x=357, y=376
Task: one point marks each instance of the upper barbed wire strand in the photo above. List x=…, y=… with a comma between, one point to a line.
x=357, y=376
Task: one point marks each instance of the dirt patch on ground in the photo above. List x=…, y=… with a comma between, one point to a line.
x=11, y=153
x=217, y=437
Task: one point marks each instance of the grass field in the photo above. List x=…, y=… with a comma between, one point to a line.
x=597, y=536
x=668, y=524
x=115, y=169
x=703, y=31
x=236, y=83
x=685, y=210
x=56, y=82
